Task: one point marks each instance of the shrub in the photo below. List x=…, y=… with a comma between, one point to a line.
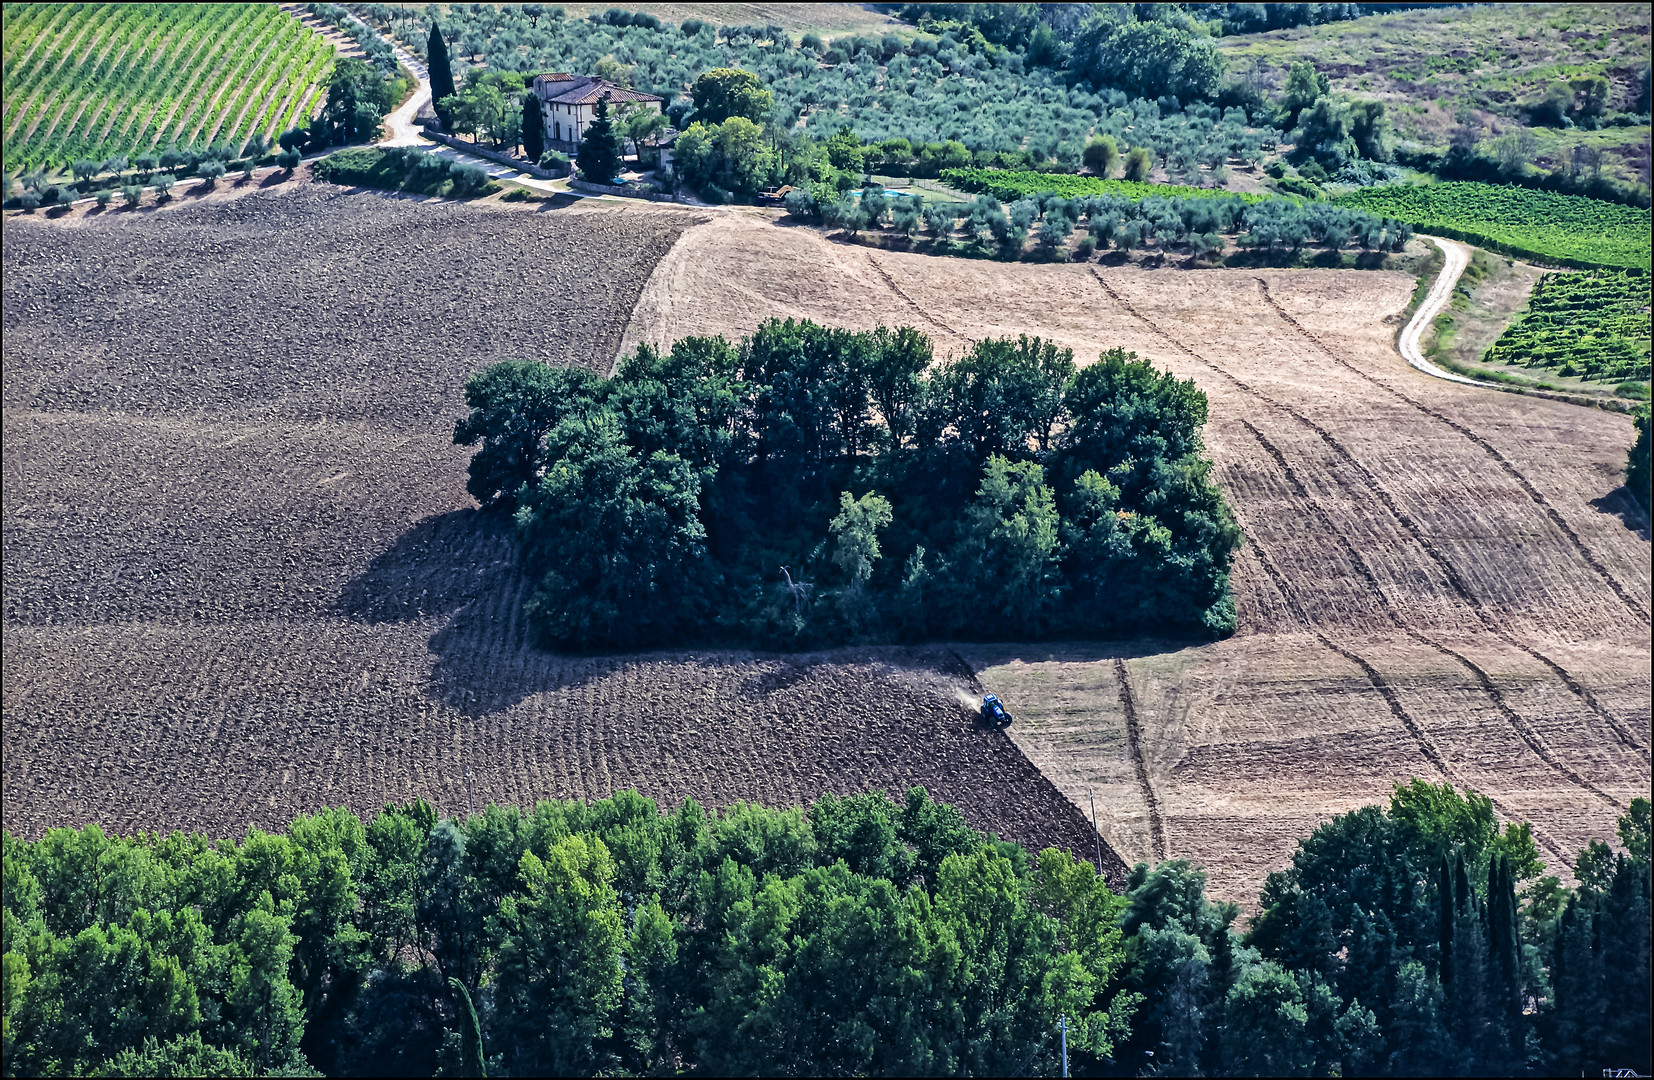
x=28, y=201
x=163, y=185
x=104, y=197
x=132, y=195
x=210, y=171
x=802, y=205
x=1137, y=164
x=467, y=179
x=288, y=160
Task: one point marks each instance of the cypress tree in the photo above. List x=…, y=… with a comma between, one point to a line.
x=470, y=1031
x=1506, y=956
x=599, y=156
x=1444, y=896
x=534, y=128
x=441, y=72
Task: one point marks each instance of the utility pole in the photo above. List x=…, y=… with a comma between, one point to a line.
x=1062, y=1025
x=1096, y=834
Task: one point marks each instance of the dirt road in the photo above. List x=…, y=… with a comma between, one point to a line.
x=1455, y=258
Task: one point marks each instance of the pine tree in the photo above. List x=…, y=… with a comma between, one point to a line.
x=441, y=72
x=599, y=156
x=534, y=128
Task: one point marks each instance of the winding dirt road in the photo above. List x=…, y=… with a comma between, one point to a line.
x=1455, y=258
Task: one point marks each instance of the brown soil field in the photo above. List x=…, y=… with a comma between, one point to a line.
x=243, y=579
x=1438, y=581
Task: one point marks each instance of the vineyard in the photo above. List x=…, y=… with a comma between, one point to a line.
x=1007, y=186
x=100, y=80
x=1566, y=229
x=1594, y=326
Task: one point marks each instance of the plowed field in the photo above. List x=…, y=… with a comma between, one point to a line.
x=1438, y=581
x=242, y=576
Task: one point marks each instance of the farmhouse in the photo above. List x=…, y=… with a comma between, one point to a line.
x=568, y=103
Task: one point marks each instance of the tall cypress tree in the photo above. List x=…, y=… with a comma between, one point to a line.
x=599, y=156
x=441, y=72
x=1445, y=913
x=1506, y=954
x=534, y=128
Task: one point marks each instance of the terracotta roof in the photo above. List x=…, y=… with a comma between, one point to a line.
x=583, y=90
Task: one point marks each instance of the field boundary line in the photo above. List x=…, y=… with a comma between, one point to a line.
x=1516, y=474
x=1134, y=743
x=1457, y=583
x=897, y=289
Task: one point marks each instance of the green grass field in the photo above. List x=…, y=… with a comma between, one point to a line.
x=1569, y=230
x=96, y=80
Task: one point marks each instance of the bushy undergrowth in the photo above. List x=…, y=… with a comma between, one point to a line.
x=404, y=168
x=1594, y=326
x=859, y=937
x=810, y=485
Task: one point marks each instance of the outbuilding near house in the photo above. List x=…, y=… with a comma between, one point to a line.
x=568, y=103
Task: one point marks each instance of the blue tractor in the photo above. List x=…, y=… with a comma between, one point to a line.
x=994, y=713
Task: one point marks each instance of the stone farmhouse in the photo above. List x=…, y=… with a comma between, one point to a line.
x=568, y=103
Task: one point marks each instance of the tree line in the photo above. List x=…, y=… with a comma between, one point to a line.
x=860, y=935
x=1041, y=224
x=810, y=485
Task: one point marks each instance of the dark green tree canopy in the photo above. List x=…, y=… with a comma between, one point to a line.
x=703, y=492
x=599, y=153
x=437, y=63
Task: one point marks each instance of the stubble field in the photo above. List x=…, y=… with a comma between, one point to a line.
x=243, y=578
x=1438, y=581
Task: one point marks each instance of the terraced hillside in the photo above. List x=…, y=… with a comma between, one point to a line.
x=97, y=80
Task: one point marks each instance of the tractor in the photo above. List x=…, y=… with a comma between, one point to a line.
x=994, y=713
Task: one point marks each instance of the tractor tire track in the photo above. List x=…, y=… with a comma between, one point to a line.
x=1388, y=693
x=1523, y=729
x=1454, y=580
x=1134, y=743
x=1641, y=614
x=910, y=302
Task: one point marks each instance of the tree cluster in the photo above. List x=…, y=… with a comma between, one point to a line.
x=359, y=95
x=811, y=485
x=859, y=936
